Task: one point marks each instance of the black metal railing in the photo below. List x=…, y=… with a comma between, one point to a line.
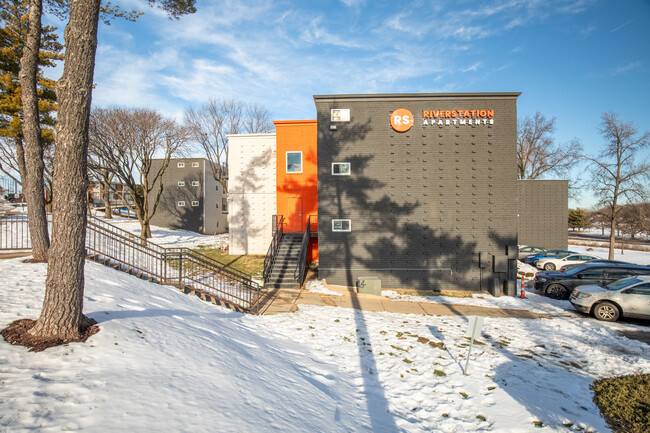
x=181, y=267
x=278, y=230
x=301, y=266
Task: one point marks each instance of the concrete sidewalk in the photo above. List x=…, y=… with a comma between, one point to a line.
x=289, y=300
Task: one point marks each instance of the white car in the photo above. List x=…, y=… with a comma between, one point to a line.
x=553, y=263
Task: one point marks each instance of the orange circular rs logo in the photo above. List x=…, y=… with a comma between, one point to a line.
x=401, y=120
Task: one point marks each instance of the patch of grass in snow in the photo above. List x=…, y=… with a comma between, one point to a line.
x=464, y=394
x=538, y=424
x=336, y=321
x=398, y=348
x=491, y=388
x=481, y=417
x=406, y=360
x=251, y=264
x=567, y=347
x=624, y=402
x=439, y=373
x=445, y=415
x=439, y=345
x=567, y=424
x=525, y=356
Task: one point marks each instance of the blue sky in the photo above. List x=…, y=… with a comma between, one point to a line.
x=571, y=59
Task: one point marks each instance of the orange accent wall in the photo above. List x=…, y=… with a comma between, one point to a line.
x=297, y=191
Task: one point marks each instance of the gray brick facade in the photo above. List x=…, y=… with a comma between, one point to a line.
x=433, y=208
x=543, y=212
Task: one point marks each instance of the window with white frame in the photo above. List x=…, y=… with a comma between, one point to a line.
x=341, y=168
x=181, y=164
x=181, y=203
x=341, y=225
x=181, y=183
x=195, y=203
x=195, y=164
x=294, y=162
x=195, y=183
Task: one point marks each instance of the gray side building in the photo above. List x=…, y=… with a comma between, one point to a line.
x=192, y=199
x=419, y=190
x=543, y=211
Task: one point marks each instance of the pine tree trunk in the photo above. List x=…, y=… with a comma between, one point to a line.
x=33, y=183
x=62, y=313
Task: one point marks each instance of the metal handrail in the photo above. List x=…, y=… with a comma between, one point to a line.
x=181, y=267
x=299, y=271
x=272, y=252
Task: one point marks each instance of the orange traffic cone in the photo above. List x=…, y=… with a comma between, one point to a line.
x=523, y=292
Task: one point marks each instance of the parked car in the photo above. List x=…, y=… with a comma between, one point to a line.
x=525, y=251
x=553, y=263
x=627, y=297
x=534, y=258
x=567, y=267
x=559, y=285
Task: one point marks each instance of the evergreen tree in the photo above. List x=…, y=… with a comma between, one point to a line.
x=578, y=219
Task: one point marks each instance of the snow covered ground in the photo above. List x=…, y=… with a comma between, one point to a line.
x=168, y=362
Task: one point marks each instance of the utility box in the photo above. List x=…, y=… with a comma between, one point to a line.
x=369, y=285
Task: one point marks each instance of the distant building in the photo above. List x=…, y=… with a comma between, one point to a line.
x=192, y=199
x=117, y=194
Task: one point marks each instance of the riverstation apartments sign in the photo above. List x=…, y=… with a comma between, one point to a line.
x=401, y=120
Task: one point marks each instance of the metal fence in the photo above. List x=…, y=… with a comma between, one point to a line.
x=181, y=267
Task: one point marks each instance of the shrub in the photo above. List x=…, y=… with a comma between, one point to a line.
x=624, y=402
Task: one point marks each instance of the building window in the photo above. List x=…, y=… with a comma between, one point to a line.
x=341, y=168
x=181, y=164
x=195, y=164
x=341, y=225
x=181, y=183
x=224, y=205
x=294, y=162
x=195, y=183
x=181, y=203
x=195, y=203
x=217, y=187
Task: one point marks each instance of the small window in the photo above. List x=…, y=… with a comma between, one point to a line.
x=181, y=183
x=224, y=205
x=341, y=225
x=341, y=168
x=181, y=203
x=181, y=164
x=294, y=162
x=195, y=183
x=195, y=164
x=195, y=203
x=217, y=187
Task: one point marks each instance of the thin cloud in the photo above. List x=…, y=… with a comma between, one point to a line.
x=626, y=68
x=472, y=68
x=623, y=25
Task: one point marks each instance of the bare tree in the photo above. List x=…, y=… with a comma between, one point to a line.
x=537, y=154
x=126, y=141
x=211, y=124
x=10, y=161
x=617, y=175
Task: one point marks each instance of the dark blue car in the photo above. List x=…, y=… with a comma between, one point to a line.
x=534, y=258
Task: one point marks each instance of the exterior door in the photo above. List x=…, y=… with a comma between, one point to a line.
x=294, y=207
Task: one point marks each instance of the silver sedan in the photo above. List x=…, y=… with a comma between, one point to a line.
x=627, y=297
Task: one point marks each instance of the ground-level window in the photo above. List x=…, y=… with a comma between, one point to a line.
x=195, y=203
x=195, y=183
x=195, y=164
x=294, y=162
x=341, y=168
x=341, y=225
x=224, y=205
x=181, y=203
x=181, y=164
x=181, y=183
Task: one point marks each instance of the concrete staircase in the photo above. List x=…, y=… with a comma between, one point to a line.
x=285, y=263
